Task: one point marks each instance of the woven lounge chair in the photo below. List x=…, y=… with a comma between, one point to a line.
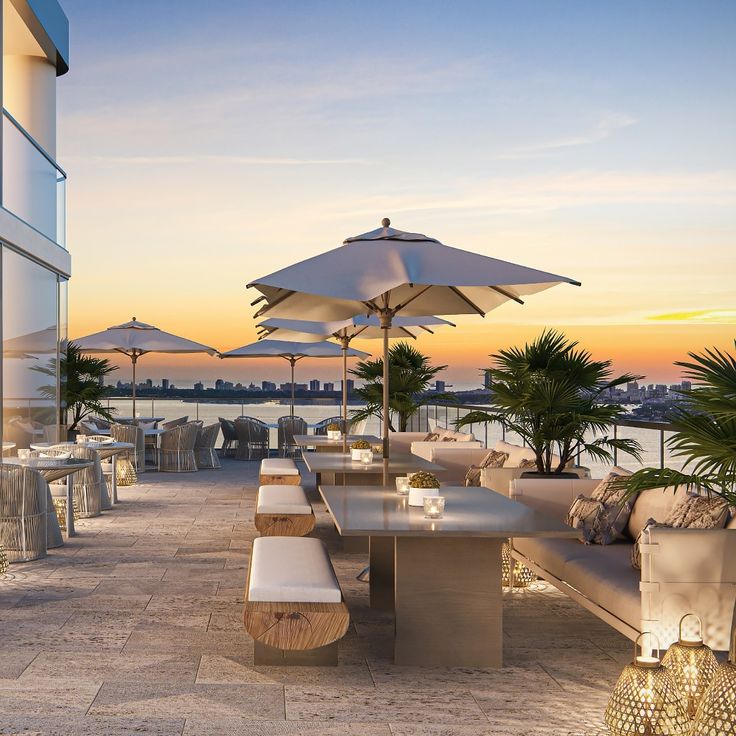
x=176, y=451
x=23, y=498
x=204, y=447
x=288, y=427
x=229, y=436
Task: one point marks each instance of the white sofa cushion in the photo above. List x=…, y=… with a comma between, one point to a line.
x=516, y=454
x=656, y=503
x=550, y=554
x=278, y=466
x=282, y=500
x=605, y=576
x=292, y=569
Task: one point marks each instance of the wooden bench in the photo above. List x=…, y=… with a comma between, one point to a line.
x=279, y=471
x=283, y=511
x=294, y=608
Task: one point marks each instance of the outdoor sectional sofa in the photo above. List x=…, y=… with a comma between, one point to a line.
x=682, y=570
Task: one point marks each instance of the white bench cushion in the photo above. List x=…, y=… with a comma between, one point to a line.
x=278, y=466
x=292, y=569
x=282, y=500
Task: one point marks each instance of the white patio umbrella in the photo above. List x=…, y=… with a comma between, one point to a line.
x=388, y=272
x=135, y=339
x=292, y=352
x=365, y=327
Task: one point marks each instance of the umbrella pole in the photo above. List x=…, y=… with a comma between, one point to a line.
x=293, y=362
x=345, y=342
x=386, y=325
x=134, y=359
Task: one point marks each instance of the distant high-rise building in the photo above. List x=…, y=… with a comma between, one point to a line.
x=268, y=386
x=328, y=387
x=632, y=387
x=487, y=380
x=199, y=386
x=350, y=385
x=439, y=386
x=149, y=383
x=219, y=384
x=686, y=386
x=314, y=385
x=165, y=384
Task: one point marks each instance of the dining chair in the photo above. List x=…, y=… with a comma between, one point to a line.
x=204, y=447
x=176, y=449
x=23, y=498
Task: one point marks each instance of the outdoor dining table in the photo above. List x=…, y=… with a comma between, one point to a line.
x=8, y=446
x=442, y=577
x=106, y=450
x=55, y=469
x=322, y=443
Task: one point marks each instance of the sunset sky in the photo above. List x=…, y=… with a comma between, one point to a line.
x=209, y=145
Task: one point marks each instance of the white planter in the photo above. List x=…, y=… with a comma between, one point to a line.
x=417, y=495
x=334, y=434
x=356, y=455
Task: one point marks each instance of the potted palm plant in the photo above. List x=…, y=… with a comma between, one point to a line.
x=550, y=393
x=705, y=434
x=410, y=375
x=82, y=391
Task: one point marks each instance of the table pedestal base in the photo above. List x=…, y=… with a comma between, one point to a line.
x=382, y=572
x=448, y=602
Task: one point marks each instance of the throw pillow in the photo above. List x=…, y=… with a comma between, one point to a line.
x=611, y=490
x=494, y=459
x=528, y=464
x=448, y=438
x=431, y=437
x=699, y=512
x=597, y=522
x=472, y=476
x=147, y=425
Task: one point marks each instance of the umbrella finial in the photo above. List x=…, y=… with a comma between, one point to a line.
x=134, y=319
x=385, y=222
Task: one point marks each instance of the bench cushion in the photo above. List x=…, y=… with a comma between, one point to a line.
x=550, y=554
x=282, y=500
x=655, y=503
x=292, y=569
x=278, y=466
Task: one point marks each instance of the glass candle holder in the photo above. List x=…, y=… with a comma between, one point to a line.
x=81, y=439
x=434, y=507
x=366, y=457
x=402, y=485
x=24, y=455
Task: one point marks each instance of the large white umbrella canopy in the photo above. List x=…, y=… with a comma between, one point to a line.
x=136, y=338
x=365, y=327
x=388, y=272
x=292, y=352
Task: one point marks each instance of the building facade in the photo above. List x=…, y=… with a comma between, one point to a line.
x=34, y=263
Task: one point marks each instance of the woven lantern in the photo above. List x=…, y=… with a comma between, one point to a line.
x=523, y=577
x=692, y=665
x=716, y=714
x=646, y=701
x=3, y=561
x=125, y=472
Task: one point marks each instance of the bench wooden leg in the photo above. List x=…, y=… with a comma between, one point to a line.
x=279, y=480
x=284, y=525
x=321, y=657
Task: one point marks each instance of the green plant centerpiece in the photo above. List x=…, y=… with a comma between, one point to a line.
x=551, y=394
x=423, y=479
x=357, y=449
x=410, y=375
x=705, y=430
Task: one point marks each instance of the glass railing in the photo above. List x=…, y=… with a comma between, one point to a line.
x=33, y=184
x=652, y=436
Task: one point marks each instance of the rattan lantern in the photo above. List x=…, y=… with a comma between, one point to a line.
x=125, y=472
x=523, y=577
x=3, y=561
x=716, y=714
x=692, y=664
x=646, y=701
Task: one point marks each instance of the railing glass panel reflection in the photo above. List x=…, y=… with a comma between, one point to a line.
x=33, y=184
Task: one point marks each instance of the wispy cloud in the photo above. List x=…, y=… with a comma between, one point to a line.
x=703, y=316
x=219, y=159
x=607, y=124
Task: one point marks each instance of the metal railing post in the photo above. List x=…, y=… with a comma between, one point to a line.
x=661, y=448
x=615, y=449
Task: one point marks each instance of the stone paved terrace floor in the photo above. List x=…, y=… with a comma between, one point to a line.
x=135, y=626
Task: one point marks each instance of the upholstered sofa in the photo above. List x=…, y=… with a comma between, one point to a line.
x=414, y=443
x=682, y=570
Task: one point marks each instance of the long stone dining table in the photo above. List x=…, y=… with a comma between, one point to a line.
x=335, y=468
x=441, y=577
